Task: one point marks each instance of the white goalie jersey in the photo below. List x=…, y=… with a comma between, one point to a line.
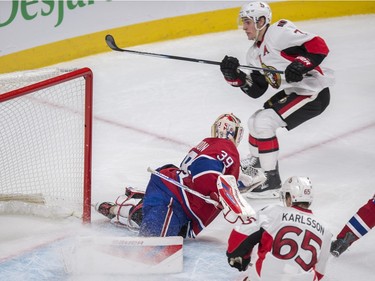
x=293, y=245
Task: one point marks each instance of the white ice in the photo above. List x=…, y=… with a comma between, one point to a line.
x=149, y=111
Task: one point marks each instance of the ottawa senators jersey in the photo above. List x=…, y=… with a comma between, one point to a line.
x=292, y=244
x=199, y=171
x=283, y=42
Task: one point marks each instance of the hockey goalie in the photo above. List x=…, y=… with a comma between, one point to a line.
x=182, y=201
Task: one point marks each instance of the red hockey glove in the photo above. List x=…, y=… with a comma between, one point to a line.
x=232, y=75
x=294, y=71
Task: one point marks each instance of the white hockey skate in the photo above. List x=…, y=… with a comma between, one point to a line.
x=251, y=175
x=250, y=180
x=126, y=211
x=104, y=208
x=250, y=161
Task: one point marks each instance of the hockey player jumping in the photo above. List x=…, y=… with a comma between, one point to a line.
x=303, y=89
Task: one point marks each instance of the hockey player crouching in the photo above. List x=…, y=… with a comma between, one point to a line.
x=292, y=243
x=166, y=209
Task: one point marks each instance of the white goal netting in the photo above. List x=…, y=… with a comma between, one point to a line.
x=44, y=138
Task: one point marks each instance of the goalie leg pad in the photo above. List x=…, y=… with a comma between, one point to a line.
x=128, y=210
x=124, y=256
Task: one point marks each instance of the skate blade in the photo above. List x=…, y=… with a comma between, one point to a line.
x=251, y=187
x=246, y=189
x=269, y=194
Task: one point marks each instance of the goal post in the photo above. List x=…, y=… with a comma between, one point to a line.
x=46, y=141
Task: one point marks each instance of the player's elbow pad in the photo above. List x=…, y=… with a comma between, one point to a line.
x=316, y=59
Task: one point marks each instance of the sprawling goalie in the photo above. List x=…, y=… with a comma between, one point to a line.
x=184, y=200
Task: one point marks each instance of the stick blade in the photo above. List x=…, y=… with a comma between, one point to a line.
x=111, y=42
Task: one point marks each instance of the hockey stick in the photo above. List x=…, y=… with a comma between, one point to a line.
x=185, y=188
x=36, y=198
x=112, y=44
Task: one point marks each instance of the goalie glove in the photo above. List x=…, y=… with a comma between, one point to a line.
x=295, y=71
x=229, y=215
x=229, y=68
x=235, y=207
x=233, y=218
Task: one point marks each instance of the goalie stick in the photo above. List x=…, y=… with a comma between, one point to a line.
x=227, y=189
x=183, y=187
x=112, y=44
x=36, y=198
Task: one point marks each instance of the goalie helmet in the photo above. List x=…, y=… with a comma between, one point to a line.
x=299, y=188
x=256, y=10
x=227, y=126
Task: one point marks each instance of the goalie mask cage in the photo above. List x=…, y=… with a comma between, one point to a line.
x=45, y=140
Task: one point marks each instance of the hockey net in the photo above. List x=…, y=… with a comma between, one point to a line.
x=45, y=142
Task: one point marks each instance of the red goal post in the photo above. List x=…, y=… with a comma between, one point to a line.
x=46, y=142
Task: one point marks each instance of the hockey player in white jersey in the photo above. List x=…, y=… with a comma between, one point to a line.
x=292, y=243
x=302, y=91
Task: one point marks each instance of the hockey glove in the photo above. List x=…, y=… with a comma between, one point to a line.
x=232, y=75
x=294, y=71
x=239, y=263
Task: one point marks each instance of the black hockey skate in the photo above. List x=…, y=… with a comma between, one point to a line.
x=341, y=245
x=270, y=189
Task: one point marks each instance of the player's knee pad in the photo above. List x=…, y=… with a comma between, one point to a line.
x=265, y=123
x=251, y=120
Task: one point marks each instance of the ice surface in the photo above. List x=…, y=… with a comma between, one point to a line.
x=149, y=111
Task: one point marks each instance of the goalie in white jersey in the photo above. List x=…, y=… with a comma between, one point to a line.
x=302, y=91
x=292, y=243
